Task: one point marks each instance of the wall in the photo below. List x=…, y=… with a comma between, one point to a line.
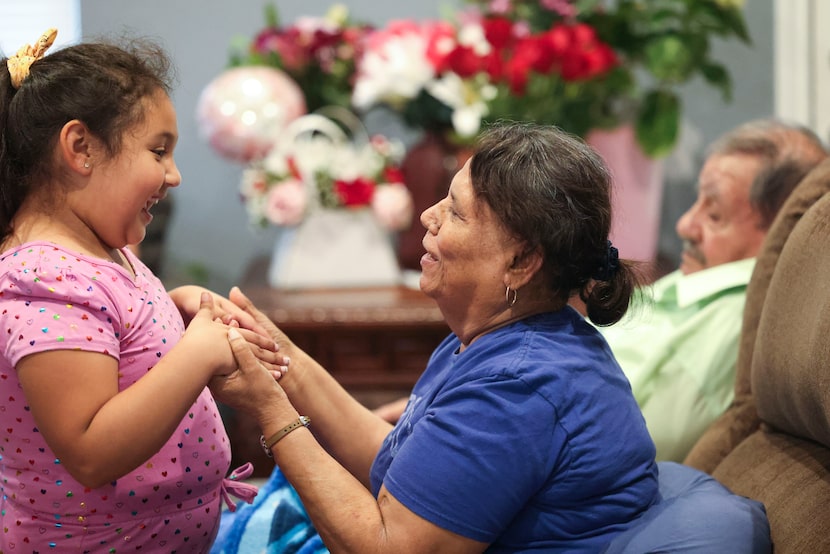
x=209, y=238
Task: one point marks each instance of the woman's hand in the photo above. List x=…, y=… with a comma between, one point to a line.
x=188, y=300
x=262, y=321
x=206, y=335
x=252, y=387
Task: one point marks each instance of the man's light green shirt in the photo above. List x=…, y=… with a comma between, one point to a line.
x=680, y=349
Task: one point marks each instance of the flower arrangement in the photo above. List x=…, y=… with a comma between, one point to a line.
x=579, y=64
x=316, y=165
x=319, y=53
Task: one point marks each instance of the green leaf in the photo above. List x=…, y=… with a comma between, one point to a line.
x=669, y=58
x=272, y=17
x=717, y=76
x=658, y=124
x=735, y=21
x=721, y=20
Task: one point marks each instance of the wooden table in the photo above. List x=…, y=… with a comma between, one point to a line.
x=371, y=338
x=374, y=341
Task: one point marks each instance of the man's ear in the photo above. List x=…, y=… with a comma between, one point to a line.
x=75, y=146
x=525, y=265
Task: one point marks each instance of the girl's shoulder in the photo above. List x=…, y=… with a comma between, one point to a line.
x=44, y=258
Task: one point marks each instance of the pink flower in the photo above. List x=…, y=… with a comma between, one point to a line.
x=286, y=203
x=563, y=7
x=392, y=206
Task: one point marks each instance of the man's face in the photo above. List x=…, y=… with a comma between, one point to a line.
x=721, y=225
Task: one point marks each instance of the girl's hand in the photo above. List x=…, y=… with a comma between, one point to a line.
x=206, y=337
x=188, y=300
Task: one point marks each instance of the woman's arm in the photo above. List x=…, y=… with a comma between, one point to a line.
x=342, y=509
x=349, y=431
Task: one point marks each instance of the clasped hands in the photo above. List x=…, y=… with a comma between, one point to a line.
x=206, y=313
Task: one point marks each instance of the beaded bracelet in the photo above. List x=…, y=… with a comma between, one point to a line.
x=302, y=421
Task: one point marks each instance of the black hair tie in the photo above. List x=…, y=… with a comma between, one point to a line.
x=608, y=264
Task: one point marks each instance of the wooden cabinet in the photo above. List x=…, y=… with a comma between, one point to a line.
x=374, y=341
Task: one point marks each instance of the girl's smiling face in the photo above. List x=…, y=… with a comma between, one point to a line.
x=117, y=201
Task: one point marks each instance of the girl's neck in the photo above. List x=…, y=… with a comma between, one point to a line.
x=72, y=235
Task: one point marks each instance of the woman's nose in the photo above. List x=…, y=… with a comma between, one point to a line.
x=429, y=220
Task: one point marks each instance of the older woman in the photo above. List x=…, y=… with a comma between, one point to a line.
x=522, y=434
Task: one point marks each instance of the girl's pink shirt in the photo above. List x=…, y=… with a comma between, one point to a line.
x=52, y=298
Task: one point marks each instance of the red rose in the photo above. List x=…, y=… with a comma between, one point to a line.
x=355, y=193
x=498, y=31
x=393, y=174
x=463, y=61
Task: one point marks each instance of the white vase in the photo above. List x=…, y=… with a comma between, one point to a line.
x=334, y=248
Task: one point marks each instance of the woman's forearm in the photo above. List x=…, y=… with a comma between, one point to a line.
x=349, y=431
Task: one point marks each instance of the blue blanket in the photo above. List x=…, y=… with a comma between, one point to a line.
x=275, y=523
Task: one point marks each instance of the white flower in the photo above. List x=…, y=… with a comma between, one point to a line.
x=467, y=100
x=394, y=73
x=472, y=35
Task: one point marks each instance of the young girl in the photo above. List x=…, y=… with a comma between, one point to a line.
x=110, y=439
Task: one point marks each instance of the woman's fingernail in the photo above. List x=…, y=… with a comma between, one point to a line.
x=233, y=334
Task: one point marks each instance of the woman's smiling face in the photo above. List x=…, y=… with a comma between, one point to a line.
x=468, y=251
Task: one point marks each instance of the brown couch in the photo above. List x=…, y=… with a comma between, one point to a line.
x=773, y=443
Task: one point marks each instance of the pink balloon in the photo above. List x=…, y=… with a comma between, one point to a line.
x=242, y=111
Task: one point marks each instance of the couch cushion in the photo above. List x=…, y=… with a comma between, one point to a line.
x=790, y=476
x=791, y=361
x=696, y=514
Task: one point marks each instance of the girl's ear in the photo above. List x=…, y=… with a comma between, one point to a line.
x=75, y=146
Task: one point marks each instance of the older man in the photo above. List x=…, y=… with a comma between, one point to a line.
x=679, y=346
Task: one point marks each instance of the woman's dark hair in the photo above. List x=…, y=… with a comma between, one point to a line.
x=553, y=191
x=100, y=84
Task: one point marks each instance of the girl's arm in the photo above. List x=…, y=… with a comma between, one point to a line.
x=100, y=434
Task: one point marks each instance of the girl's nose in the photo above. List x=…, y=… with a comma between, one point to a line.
x=173, y=177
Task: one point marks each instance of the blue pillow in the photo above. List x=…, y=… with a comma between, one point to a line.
x=696, y=514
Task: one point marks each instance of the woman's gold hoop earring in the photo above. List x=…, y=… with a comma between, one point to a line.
x=511, y=300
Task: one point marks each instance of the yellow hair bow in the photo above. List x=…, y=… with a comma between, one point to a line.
x=19, y=63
